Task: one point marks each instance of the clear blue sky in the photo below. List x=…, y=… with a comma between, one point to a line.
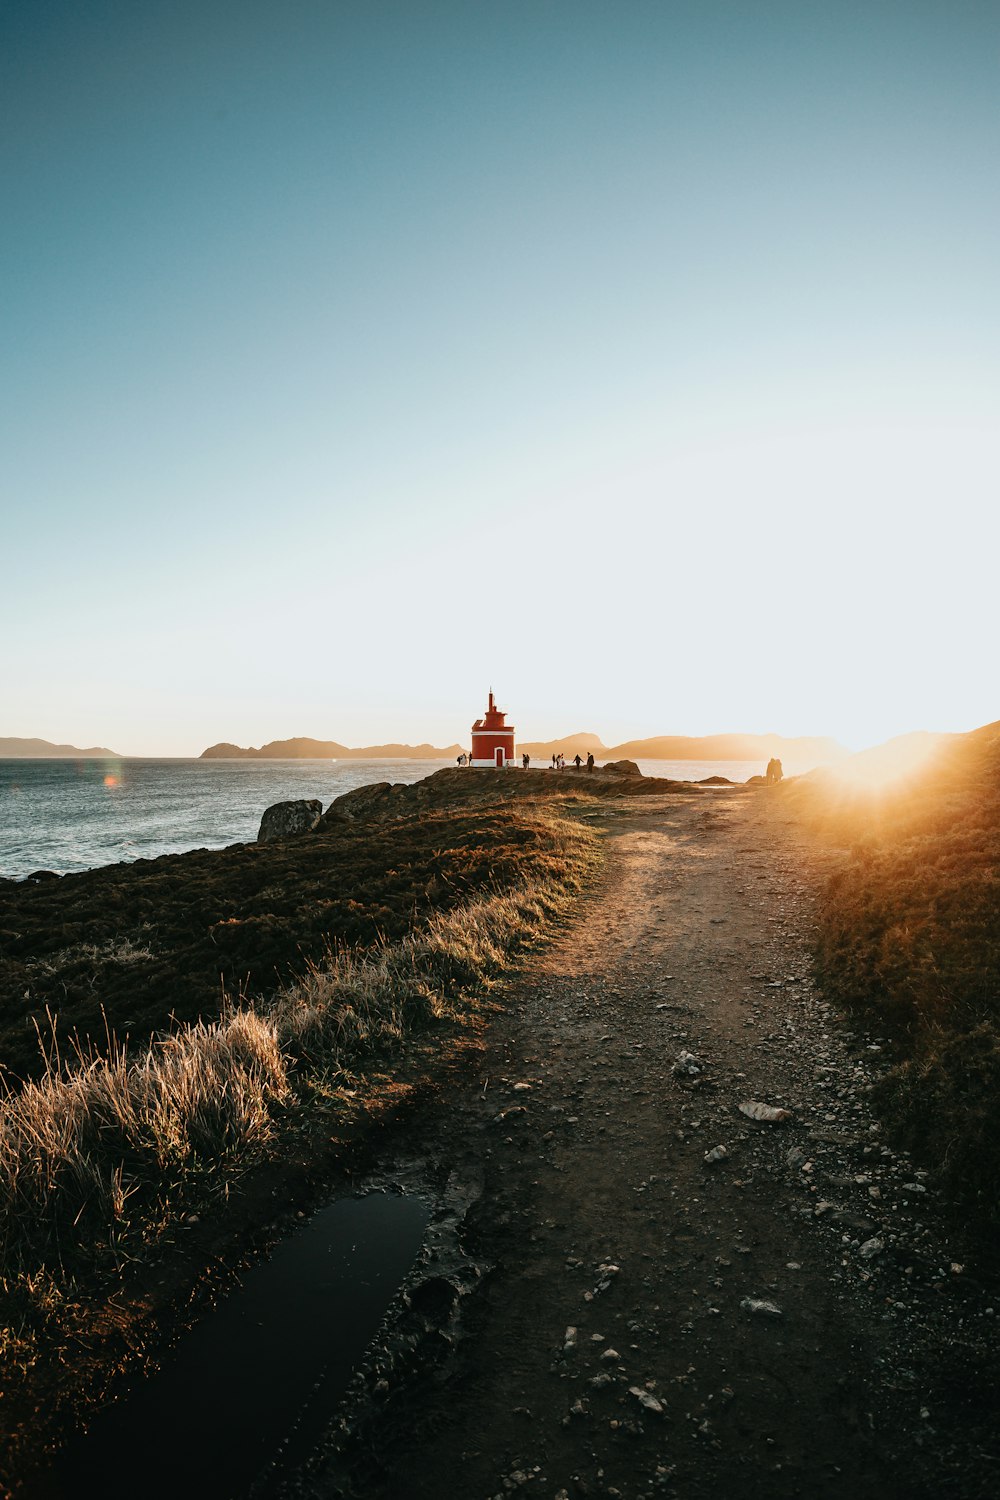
x=640, y=359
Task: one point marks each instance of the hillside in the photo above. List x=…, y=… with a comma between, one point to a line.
x=31, y=749
x=909, y=940
x=140, y=947
x=303, y=748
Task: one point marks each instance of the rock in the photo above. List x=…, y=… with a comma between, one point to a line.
x=871, y=1248
x=758, y=1308
x=37, y=876
x=569, y=1339
x=768, y=1114
x=622, y=768
x=611, y=1354
x=686, y=1065
x=844, y=1219
x=605, y=1271
x=433, y=1298
x=284, y=819
x=363, y=802
x=717, y=1154
x=646, y=1399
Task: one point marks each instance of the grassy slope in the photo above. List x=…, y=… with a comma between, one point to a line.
x=910, y=930
x=160, y=941
x=99, y=1161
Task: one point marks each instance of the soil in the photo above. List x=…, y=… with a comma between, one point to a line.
x=796, y=1318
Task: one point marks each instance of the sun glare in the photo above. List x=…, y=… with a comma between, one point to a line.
x=111, y=781
x=887, y=767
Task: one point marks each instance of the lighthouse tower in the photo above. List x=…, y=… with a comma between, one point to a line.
x=492, y=738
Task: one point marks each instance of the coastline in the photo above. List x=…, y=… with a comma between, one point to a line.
x=70, y=816
x=541, y=1077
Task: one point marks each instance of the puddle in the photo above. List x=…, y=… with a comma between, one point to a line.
x=255, y=1383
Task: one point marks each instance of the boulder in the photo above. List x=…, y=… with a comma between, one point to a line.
x=622, y=768
x=287, y=818
x=363, y=802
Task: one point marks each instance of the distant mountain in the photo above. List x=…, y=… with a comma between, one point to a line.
x=307, y=749
x=17, y=749
x=802, y=752
x=795, y=754
x=544, y=749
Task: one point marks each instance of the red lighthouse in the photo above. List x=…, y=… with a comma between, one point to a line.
x=492, y=738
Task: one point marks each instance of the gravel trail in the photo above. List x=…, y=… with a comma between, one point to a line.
x=784, y=1318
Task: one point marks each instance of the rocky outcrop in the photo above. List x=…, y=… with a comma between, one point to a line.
x=284, y=819
x=455, y=788
x=364, y=801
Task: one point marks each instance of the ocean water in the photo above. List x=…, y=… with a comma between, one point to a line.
x=67, y=815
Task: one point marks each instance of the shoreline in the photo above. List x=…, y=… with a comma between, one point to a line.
x=63, y=821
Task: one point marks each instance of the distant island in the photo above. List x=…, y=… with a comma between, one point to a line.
x=306, y=749
x=15, y=749
x=802, y=753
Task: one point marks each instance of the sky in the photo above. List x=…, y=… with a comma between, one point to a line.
x=637, y=359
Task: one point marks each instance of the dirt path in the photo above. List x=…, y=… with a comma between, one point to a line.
x=613, y=1348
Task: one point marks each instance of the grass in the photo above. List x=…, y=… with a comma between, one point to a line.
x=910, y=939
x=127, y=949
x=102, y=1154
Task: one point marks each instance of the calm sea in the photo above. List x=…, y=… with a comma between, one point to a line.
x=69, y=815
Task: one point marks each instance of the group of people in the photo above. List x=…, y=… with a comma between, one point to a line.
x=559, y=762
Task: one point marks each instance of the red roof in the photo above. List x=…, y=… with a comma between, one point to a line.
x=494, y=718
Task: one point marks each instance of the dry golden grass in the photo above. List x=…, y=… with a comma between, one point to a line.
x=101, y=1156
x=910, y=939
x=96, y=1156
x=78, y=1145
